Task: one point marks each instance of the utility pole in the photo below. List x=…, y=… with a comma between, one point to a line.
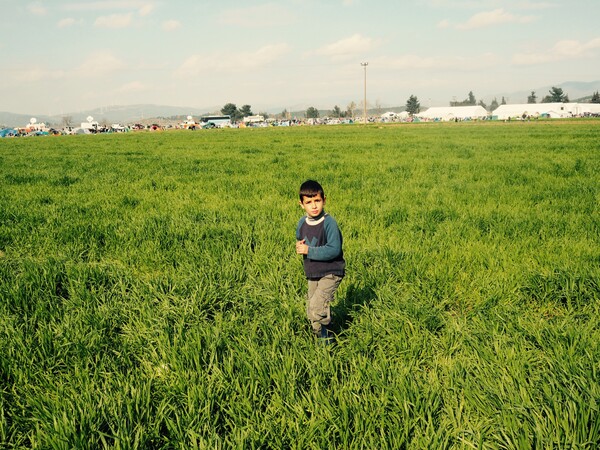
x=365, y=64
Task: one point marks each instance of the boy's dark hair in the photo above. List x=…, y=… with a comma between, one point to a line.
x=311, y=188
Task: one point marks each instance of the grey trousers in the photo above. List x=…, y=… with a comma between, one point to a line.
x=320, y=294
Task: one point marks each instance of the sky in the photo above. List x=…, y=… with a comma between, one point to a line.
x=65, y=56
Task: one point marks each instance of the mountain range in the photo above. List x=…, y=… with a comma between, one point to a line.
x=576, y=90
x=109, y=114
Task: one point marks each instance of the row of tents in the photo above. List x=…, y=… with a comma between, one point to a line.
x=509, y=112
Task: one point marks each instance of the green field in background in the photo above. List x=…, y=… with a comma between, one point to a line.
x=151, y=297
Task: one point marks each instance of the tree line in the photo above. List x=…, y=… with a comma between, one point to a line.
x=555, y=95
x=413, y=105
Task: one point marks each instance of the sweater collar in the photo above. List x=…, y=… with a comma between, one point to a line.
x=315, y=220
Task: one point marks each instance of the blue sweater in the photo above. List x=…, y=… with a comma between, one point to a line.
x=324, y=240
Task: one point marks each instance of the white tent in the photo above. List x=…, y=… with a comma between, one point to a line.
x=254, y=119
x=390, y=115
x=590, y=108
x=558, y=112
x=505, y=112
x=553, y=110
x=447, y=113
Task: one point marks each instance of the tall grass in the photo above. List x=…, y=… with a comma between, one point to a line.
x=151, y=297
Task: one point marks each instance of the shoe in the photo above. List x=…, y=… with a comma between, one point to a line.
x=325, y=336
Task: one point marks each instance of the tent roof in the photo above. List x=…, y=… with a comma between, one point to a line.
x=590, y=107
x=558, y=109
x=459, y=112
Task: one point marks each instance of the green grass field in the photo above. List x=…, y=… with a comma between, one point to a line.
x=151, y=297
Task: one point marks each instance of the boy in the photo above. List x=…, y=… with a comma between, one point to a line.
x=319, y=240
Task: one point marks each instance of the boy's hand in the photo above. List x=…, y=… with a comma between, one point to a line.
x=301, y=248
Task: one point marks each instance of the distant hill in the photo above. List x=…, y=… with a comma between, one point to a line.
x=8, y=119
x=109, y=114
x=576, y=90
x=135, y=113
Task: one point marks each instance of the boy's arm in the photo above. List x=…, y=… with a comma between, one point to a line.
x=298, y=237
x=301, y=247
x=333, y=248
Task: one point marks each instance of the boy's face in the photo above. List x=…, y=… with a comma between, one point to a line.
x=313, y=205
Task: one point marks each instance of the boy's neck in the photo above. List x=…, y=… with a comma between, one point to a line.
x=314, y=219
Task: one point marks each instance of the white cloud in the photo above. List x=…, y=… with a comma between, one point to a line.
x=146, y=9
x=35, y=74
x=269, y=14
x=66, y=22
x=443, y=24
x=170, y=25
x=495, y=17
x=479, y=4
x=456, y=4
x=134, y=86
x=113, y=21
x=562, y=50
x=347, y=48
x=107, y=5
x=98, y=64
x=37, y=9
x=527, y=5
x=219, y=62
x=416, y=62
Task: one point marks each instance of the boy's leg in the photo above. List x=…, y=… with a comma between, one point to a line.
x=320, y=294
